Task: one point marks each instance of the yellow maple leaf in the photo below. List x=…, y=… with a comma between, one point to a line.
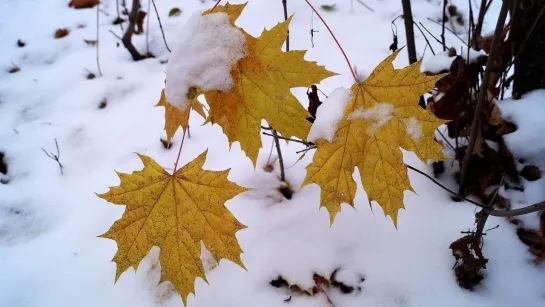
x=175, y=117
x=262, y=82
x=382, y=116
x=174, y=212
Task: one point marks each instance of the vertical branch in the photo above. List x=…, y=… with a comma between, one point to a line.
x=409, y=31
x=161, y=25
x=98, y=40
x=285, y=4
x=127, y=37
x=479, y=25
x=483, y=93
x=408, y=17
x=443, y=19
x=147, y=27
x=274, y=133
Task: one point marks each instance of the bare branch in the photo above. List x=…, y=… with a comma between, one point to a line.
x=55, y=157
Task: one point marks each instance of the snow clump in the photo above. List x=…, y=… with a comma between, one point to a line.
x=413, y=128
x=329, y=114
x=207, y=48
x=377, y=116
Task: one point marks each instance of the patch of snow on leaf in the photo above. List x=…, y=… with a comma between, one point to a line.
x=413, y=129
x=527, y=113
x=207, y=48
x=438, y=63
x=377, y=116
x=329, y=114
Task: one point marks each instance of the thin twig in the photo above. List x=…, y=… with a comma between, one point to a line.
x=483, y=93
x=118, y=14
x=116, y=36
x=161, y=25
x=425, y=37
x=336, y=41
x=147, y=27
x=365, y=5
x=454, y=33
x=443, y=19
x=446, y=140
x=288, y=139
x=55, y=157
x=479, y=26
x=98, y=41
x=306, y=149
x=436, y=39
x=500, y=213
x=280, y=158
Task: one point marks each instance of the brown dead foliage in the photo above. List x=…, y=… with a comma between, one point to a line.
x=83, y=4
x=456, y=100
x=321, y=284
x=469, y=261
x=140, y=16
x=60, y=33
x=534, y=239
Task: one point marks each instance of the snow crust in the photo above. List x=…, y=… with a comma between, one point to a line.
x=206, y=49
x=329, y=114
x=377, y=116
x=474, y=55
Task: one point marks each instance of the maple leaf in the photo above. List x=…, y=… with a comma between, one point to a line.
x=262, y=82
x=382, y=116
x=175, y=117
x=174, y=212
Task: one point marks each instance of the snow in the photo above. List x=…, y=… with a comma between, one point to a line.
x=527, y=114
x=329, y=114
x=474, y=55
x=413, y=129
x=440, y=62
x=50, y=255
x=377, y=116
x=206, y=49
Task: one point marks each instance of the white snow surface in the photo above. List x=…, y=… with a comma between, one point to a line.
x=329, y=114
x=205, y=49
x=377, y=116
x=50, y=255
x=437, y=63
x=527, y=113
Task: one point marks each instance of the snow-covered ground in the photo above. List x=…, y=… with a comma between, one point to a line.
x=49, y=251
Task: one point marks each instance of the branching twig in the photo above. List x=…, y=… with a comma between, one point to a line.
x=436, y=39
x=479, y=25
x=116, y=36
x=425, y=37
x=127, y=37
x=160, y=25
x=483, y=93
x=55, y=157
x=453, y=33
x=500, y=213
